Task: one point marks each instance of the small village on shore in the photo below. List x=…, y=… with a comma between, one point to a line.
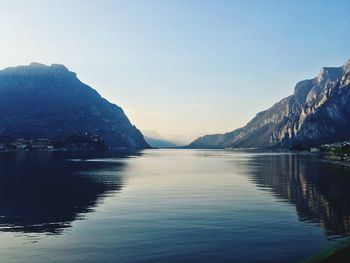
x=78, y=142
x=339, y=152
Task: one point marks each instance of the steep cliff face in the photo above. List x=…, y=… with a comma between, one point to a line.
x=318, y=112
x=50, y=101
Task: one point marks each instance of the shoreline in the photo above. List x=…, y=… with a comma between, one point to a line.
x=335, y=253
x=341, y=163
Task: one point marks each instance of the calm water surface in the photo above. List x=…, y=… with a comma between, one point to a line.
x=170, y=206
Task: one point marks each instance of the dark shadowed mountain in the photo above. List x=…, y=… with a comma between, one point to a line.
x=50, y=101
x=318, y=112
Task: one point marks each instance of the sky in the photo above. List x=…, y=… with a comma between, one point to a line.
x=183, y=68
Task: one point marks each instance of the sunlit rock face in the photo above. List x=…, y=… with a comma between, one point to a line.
x=318, y=112
x=50, y=101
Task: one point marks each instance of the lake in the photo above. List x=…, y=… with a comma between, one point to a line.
x=170, y=206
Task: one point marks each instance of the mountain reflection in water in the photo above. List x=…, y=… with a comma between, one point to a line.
x=175, y=206
x=40, y=193
x=319, y=190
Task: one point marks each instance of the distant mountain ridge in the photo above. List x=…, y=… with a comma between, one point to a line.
x=50, y=101
x=318, y=112
x=154, y=139
x=159, y=143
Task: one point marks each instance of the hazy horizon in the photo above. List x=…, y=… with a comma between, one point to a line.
x=181, y=68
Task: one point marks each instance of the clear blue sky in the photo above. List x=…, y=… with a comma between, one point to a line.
x=182, y=68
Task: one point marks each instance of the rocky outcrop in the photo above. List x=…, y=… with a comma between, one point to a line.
x=50, y=101
x=318, y=112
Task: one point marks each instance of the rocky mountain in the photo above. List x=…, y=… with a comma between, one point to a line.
x=318, y=112
x=50, y=101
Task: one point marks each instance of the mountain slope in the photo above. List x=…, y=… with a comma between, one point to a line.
x=50, y=101
x=318, y=112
